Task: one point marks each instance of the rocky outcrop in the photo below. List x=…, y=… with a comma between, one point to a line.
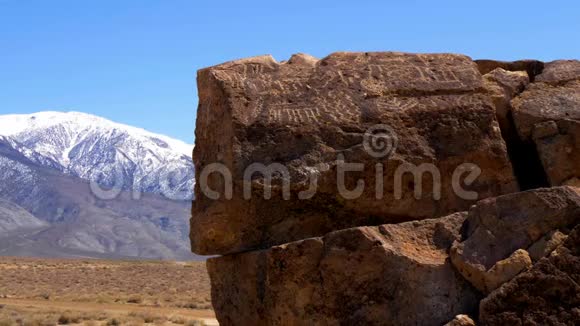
x=305, y=118
x=531, y=67
x=462, y=184
x=359, y=276
x=547, y=114
x=546, y=245
x=504, y=85
x=560, y=72
x=498, y=230
x=548, y=294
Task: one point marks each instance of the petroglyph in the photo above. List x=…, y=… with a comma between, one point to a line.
x=286, y=114
x=307, y=112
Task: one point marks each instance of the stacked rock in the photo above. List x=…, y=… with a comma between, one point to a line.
x=382, y=188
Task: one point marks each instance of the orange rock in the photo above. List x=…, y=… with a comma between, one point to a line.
x=497, y=229
x=391, y=274
x=304, y=114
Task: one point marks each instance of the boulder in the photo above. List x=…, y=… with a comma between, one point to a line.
x=547, y=114
x=391, y=274
x=548, y=294
x=461, y=320
x=504, y=270
x=504, y=85
x=498, y=230
x=542, y=103
x=560, y=72
x=531, y=67
x=417, y=125
x=546, y=245
x=558, y=145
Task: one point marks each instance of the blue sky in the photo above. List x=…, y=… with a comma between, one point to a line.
x=135, y=61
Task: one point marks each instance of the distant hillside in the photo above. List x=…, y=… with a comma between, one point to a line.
x=96, y=149
x=48, y=210
x=14, y=217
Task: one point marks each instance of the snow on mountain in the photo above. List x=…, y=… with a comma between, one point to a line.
x=45, y=212
x=108, y=153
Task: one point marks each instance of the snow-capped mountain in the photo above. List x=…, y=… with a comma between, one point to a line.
x=108, y=153
x=45, y=212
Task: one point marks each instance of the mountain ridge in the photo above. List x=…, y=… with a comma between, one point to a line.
x=11, y=124
x=110, y=154
x=47, y=210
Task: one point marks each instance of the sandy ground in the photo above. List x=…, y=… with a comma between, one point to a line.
x=107, y=308
x=101, y=292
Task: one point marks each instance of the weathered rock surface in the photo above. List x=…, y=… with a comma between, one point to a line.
x=548, y=294
x=504, y=85
x=548, y=114
x=546, y=245
x=391, y=274
x=531, y=67
x=558, y=145
x=542, y=103
x=461, y=320
x=559, y=72
x=304, y=113
x=498, y=230
x=323, y=253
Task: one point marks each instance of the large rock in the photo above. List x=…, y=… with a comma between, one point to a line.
x=504, y=85
x=498, y=230
x=542, y=103
x=547, y=114
x=558, y=145
x=531, y=67
x=544, y=246
x=548, y=294
x=560, y=72
x=307, y=114
x=391, y=274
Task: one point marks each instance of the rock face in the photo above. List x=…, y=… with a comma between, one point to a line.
x=548, y=115
x=546, y=245
x=360, y=276
x=560, y=72
x=548, y=294
x=504, y=85
x=303, y=117
x=338, y=190
x=498, y=230
x=531, y=67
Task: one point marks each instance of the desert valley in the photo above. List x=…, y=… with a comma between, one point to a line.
x=39, y=292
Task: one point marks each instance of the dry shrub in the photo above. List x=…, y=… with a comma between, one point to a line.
x=113, y=322
x=178, y=320
x=147, y=317
x=135, y=299
x=69, y=318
